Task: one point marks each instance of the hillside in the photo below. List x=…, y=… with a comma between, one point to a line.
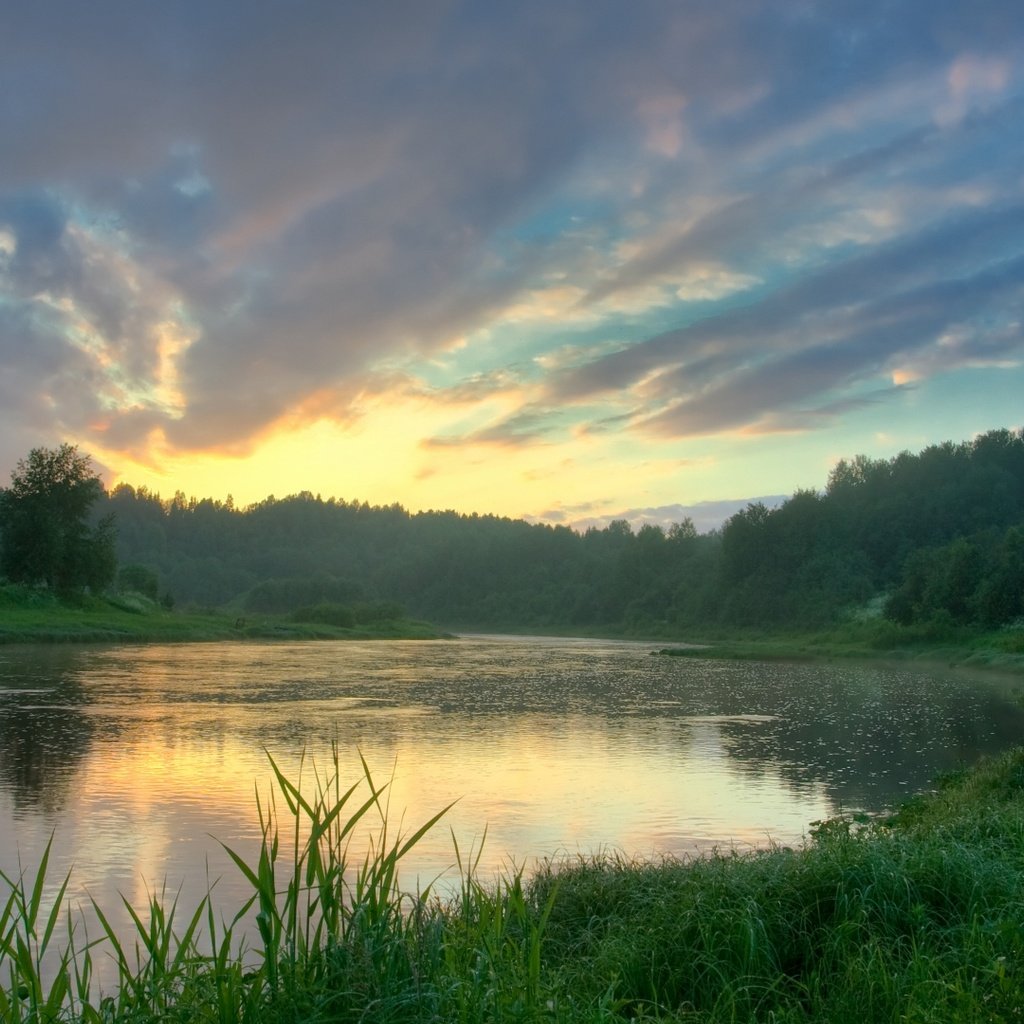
x=930, y=538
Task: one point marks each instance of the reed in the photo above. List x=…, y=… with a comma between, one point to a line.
x=913, y=918
x=26, y=933
x=916, y=918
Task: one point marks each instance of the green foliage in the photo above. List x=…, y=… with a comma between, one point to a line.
x=139, y=579
x=17, y=595
x=976, y=580
x=131, y=602
x=941, y=532
x=285, y=595
x=910, y=920
x=47, y=534
x=915, y=917
x=331, y=614
x=31, y=614
x=348, y=616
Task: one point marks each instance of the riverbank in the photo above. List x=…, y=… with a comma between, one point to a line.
x=876, y=640
x=910, y=917
x=872, y=639
x=32, y=617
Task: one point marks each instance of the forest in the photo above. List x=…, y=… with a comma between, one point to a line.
x=935, y=537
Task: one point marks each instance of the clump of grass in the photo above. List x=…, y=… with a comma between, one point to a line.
x=17, y=595
x=27, y=991
x=914, y=918
x=332, y=937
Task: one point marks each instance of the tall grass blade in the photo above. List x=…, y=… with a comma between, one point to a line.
x=123, y=967
x=422, y=831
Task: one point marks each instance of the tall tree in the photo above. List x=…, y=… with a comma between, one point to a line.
x=45, y=527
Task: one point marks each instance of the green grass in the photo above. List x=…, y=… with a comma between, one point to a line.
x=876, y=639
x=917, y=918
x=863, y=638
x=28, y=615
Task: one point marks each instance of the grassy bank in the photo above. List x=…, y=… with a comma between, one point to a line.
x=917, y=918
x=31, y=616
x=875, y=639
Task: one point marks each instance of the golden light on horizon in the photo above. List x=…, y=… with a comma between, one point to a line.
x=381, y=458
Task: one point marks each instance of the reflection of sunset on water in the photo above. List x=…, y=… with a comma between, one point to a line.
x=142, y=759
x=539, y=791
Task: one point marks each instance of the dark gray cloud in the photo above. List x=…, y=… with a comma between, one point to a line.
x=47, y=386
x=882, y=333
x=68, y=288
x=279, y=198
x=44, y=258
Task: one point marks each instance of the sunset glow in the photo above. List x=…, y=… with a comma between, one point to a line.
x=563, y=262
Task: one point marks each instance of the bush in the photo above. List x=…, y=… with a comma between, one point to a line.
x=138, y=579
x=369, y=612
x=136, y=604
x=284, y=595
x=366, y=613
x=326, y=613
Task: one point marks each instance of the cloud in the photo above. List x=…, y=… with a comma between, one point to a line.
x=478, y=388
x=665, y=128
x=77, y=290
x=222, y=220
x=864, y=343
x=972, y=80
x=964, y=347
x=798, y=200
x=705, y=515
x=528, y=426
x=47, y=386
x=845, y=325
x=712, y=282
x=38, y=257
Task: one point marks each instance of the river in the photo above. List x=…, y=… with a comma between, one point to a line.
x=141, y=760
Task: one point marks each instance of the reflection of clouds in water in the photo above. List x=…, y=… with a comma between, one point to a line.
x=555, y=746
x=706, y=740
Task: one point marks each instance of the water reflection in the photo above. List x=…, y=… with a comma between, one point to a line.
x=45, y=732
x=139, y=755
x=873, y=735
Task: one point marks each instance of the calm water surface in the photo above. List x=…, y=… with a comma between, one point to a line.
x=139, y=759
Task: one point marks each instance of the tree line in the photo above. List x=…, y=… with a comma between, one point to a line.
x=934, y=537
x=49, y=534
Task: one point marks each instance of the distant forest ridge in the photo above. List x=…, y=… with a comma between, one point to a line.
x=934, y=537
x=705, y=515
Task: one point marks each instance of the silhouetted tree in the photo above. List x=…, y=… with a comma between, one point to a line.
x=45, y=523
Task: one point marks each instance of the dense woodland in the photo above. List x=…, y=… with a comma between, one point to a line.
x=936, y=537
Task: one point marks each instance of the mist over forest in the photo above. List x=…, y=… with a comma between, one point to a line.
x=934, y=537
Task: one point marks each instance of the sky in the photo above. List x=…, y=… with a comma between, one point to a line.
x=561, y=260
